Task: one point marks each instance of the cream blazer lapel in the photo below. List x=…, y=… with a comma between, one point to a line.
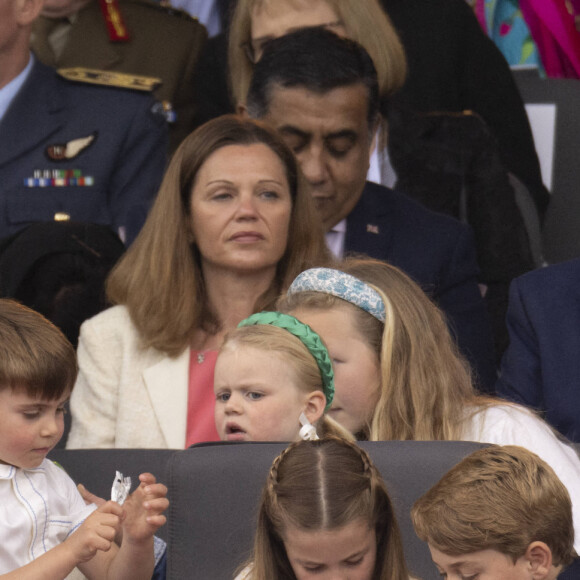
x=167, y=383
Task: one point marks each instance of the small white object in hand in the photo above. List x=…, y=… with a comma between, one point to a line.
x=121, y=488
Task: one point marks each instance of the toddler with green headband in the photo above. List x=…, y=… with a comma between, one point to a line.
x=274, y=381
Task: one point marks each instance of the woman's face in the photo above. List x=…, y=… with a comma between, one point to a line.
x=274, y=19
x=357, y=369
x=240, y=209
x=347, y=552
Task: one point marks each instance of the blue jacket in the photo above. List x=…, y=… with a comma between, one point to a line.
x=438, y=252
x=541, y=367
x=122, y=156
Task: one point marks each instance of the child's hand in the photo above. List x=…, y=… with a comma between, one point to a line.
x=97, y=532
x=144, y=509
x=90, y=497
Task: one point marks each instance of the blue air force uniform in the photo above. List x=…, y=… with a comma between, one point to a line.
x=78, y=151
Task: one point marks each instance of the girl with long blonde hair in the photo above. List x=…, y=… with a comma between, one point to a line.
x=398, y=372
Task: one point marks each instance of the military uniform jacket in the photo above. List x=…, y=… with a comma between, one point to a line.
x=79, y=151
x=163, y=43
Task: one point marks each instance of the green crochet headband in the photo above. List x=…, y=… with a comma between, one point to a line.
x=309, y=338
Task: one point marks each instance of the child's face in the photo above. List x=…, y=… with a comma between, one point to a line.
x=357, y=373
x=257, y=398
x=482, y=565
x=29, y=427
x=347, y=552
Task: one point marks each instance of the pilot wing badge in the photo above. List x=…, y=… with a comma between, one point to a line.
x=70, y=150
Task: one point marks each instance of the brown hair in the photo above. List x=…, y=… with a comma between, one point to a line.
x=159, y=278
x=497, y=498
x=296, y=355
x=426, y=383
x=325, y=485
x=34, y=354
x=364, y=21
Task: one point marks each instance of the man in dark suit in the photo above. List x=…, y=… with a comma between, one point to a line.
x=69, y=149
x=321, y=93
x=452, y=66
x=147, y=38
x=541, y=367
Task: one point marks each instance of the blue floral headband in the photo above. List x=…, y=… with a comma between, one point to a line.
x=341, y=285
x=309, y=338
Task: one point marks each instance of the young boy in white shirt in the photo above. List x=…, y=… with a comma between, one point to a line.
x=501, y=513
x=46, y=530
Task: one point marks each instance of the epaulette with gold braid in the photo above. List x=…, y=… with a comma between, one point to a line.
x=110, y=79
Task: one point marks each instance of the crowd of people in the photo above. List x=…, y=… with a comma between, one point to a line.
x=302, y=229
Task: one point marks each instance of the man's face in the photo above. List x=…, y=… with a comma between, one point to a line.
x=331, y=139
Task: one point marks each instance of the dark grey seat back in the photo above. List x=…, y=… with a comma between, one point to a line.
x=215, y=491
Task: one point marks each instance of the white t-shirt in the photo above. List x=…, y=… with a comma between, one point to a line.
x=39, y=509
x=515, y=425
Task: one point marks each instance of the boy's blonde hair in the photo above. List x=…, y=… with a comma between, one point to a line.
x=294, y=353
x=325, y=485
x=34, y=354
x=498, y=498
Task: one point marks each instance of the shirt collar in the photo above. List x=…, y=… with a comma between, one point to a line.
x=7, y=471
x=9, y=92
x=340, y=227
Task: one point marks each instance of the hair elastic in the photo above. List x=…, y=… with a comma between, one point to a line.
x=308, y=337
x=341, y=285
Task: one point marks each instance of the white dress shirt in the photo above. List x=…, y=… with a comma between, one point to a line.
x=380, y=169
x=335, y=239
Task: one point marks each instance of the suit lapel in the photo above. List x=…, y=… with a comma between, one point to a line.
x=368, y=226
x=36, y=113
x=166, y=384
